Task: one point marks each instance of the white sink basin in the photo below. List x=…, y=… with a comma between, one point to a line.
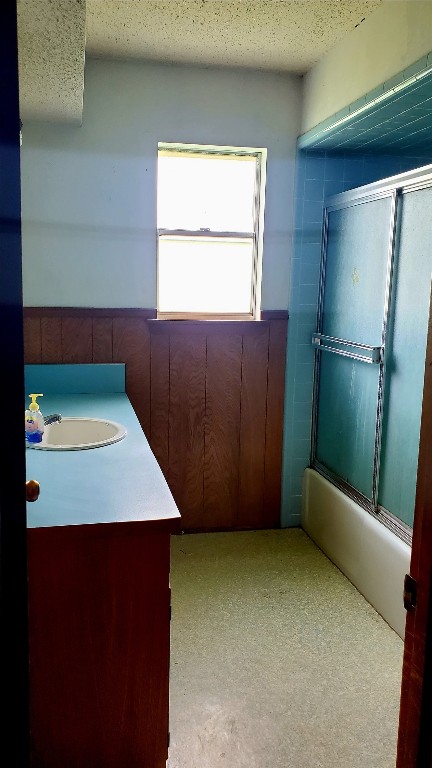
x=77, y=434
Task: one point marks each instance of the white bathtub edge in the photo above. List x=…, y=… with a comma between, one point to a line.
x=372, y=557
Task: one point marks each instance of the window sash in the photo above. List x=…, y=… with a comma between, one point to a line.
x=188, y=233
x=255, y=236
x=205, y=237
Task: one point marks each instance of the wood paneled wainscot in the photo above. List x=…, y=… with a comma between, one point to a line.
x=208, y=394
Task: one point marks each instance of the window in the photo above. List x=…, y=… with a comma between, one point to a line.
x=210, y=213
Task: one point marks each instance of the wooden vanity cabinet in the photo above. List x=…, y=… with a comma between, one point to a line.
x=99, y=633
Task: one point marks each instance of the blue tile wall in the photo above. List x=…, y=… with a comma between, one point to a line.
x=318, y=175
x=394, y=117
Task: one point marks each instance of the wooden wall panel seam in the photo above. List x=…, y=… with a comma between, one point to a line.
x=32, y=339
x=102, y=330
x=253, y=430
x=40, y=339
x=168, y=413
x=51, y=340
x=274, y=419
x=186, y=424
x=205, y=420
x=238, y=505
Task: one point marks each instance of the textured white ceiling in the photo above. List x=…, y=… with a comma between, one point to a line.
x=51, y=48
x=55, y=35
x=287, y=35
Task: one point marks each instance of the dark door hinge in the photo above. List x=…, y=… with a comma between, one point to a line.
x=410, y=593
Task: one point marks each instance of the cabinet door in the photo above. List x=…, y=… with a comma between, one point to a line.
x=99, y=647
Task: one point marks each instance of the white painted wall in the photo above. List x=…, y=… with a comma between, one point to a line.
x=394, y=36
x=89, y=193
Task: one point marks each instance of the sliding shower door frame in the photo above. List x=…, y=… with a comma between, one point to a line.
x=365, y=353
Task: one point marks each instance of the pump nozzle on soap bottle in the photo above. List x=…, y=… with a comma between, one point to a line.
x=34, y=422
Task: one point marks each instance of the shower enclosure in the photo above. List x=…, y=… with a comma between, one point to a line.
x=371, y=342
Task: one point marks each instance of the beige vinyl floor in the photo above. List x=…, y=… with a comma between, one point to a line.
x=277, y=661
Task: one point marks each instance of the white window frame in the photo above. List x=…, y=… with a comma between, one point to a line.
x=257, y=235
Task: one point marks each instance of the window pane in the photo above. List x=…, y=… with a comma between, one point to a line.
x=206, y=275
x=213, y=192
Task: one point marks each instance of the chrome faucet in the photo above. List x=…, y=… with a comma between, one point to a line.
x=52, y=418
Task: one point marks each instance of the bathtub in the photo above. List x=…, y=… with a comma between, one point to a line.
x=371, y=556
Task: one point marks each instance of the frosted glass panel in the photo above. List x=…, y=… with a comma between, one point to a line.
x=213, y=192
x=405, y=356
x=205, y=274
x=356, y=270
x=358, y=240
x=347, y=405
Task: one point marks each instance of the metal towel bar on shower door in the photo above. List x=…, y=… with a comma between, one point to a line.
x=370, y=354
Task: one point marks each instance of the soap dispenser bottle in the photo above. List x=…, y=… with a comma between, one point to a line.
x=34, y=422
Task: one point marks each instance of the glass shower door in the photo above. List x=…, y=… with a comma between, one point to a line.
x=354, y=297
x=405, y=356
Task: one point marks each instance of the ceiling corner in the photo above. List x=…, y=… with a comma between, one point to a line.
x=51, y=58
